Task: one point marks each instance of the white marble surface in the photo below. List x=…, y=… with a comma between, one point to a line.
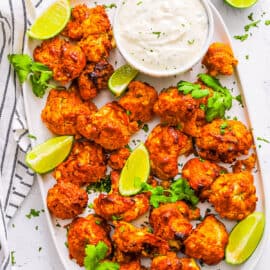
x=27, y=236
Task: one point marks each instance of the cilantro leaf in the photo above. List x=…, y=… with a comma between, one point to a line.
x=95, y=254
x=33, y=213
x=192, y=88
x=104, y=185
x=253, y=24
x=242, y=38
x=220, y=101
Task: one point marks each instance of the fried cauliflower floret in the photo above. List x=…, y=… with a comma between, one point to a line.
x=62, y=109
x=110, y=126
x=165, y=144
x=189, y=264
x=65, y=200
x=207, y=241
x=133, y=265
x=113, y=205
x=219, y=59
x=85, y=164
x=234, y=195
x=129, y=239
x=118, y=158
x=94, y=78
x=245, y=164
x=87, y=231
x=166, y=262
x=177, y=109
x=139, y=101
x=171, y=222
x=200, y=174
x=66, y=60
x=224, y=140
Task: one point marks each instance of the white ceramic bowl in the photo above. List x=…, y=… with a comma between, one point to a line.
x=171, y=72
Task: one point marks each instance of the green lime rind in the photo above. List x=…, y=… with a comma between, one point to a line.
x=121, y=78
x=52, y=21
x=244, y=238
x=135, y=172
x=241, y=3
x=46, y=156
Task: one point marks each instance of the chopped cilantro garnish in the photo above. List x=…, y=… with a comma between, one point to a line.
x=223, y=126
x=113, y=5
x=190, y=42
x=253, y=24
x=145, y=128
x=98, y=222
x=104, y=185
x=263, y=140
x=39, y=249
x=32, y=136
x=94, y=256
x=239, y=99
x=13, y=262
x=33, y=213
x=247, y=57
x=157, y=34
x=242, y=38
x=128, y=112
x=250, y=17
x=267, y=22
x=191, y=88
x=139, y=3
x=115, y=218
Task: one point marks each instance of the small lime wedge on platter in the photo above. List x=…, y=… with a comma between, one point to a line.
x=241, y=3
x=135, y=172
x=244, y=238
x=46, y=156
x=52, y=21
x=120, y=79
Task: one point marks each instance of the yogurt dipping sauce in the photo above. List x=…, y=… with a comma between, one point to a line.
x=161, y=34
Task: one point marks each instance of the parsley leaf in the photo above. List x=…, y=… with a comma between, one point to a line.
x=94, y=254
x=253, y=24
x=191, y=88
x=219, y=102
x=38, y=73
x=242, y=38
x=179, y=190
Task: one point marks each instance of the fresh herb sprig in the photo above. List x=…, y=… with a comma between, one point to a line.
x=179, y=190
x=220, y=101
x=94, y=256
x=39, y=74
x=192, y=88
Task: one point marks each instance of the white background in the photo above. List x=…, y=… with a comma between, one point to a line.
x=26, y=236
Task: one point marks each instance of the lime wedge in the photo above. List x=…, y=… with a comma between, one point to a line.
x=52, y=21
x=241, y=3
x=244, y=238
x=46, y=156
x=135, y=172
x=120, y=79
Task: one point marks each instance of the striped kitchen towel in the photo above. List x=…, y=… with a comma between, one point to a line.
x=16, y=179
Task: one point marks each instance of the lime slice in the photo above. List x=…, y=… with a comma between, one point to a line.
x=120, y=79
x=46, y=156
x=52, y=21
x=244, y=238
x=135, y=172
x=241, y=3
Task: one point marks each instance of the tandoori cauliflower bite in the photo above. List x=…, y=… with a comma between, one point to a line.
x=224, y=140
x=62, y=109
x=133, y=265
x=165, y=144
x=113, y=205
x=129, y=239
x=234, y=195
x=118, y=158
x=110, y=126
x=219, y=59
x=65, y=59
x=189, y=264
x=85, y=164
x=207, y=241
x=87, y=231
x=66, y=200
x=171, y=222
x=176, y=109
x=200, y=174
x=94, y=78
x=139, y=101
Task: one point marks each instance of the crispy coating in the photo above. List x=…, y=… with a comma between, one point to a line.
x=169, y=261
x=65, y=200
x=171, y=222
x=94, y=78
x=189, y=264
x=245, y=164
x=234, y=195
x=87, y=231
x=85, y=164
x=207, y=241
x=66, y=60
x=113, y=205
x=219, y=59
x=139, y=101
x=62, y=109
x=200, y=174
x=110, y=126
x=177, y=109
x=129, y=239
x=118, y=158
x=165, y=144
x=133, y=265
x=224, y=140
